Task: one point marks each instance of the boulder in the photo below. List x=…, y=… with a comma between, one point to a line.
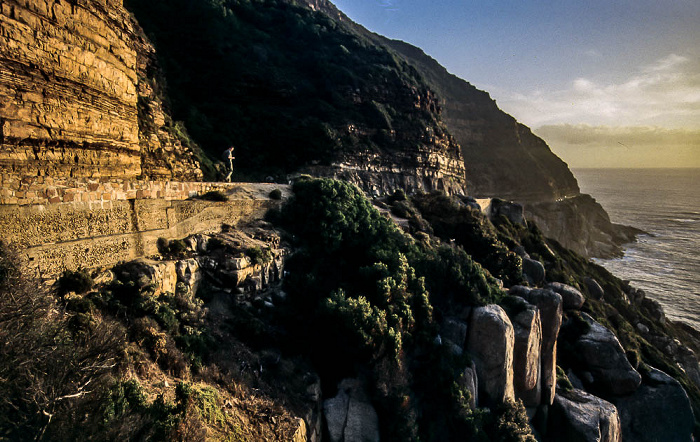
x=658, y=410
x=594, y=289
x=470, y=381
x=349, y=416
x=534, y=271
x=519, y=290
x=577, y=416
x=490, y=342
x=454, y=331
x=571, y=297
x=526, y=356
x=602, y=363
x=549, y=304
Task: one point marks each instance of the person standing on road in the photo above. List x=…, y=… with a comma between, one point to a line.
x=228, y=157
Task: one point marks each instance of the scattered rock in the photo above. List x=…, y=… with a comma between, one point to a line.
x=658, y=410
x=571, y=297
x=490, y=343
x=512, y=211
x=577, y=416
x=655, y=310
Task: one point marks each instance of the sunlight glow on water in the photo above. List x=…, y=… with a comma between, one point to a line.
x=666, y=204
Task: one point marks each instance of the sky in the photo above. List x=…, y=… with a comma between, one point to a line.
x=611, y=83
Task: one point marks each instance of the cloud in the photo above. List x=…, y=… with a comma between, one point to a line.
x=583, y=145
x=584, y=134
x=663, y=93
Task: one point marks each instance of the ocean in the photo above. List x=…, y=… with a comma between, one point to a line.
x=666, y=204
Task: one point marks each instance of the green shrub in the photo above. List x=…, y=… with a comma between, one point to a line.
x=258, y=255
x=78, y=281
x=276, y=194
x=214, y=195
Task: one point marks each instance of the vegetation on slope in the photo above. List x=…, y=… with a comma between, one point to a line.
x=121, y=360
x=284, y=84
x=366, y=300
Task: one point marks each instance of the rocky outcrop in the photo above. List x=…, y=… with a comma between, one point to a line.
x=658, y=410
x=577, y=416
x=436, y=164
x=349, y=416
x=601, y=361
x=582, y=225
x=490, y=342
x=71, y=84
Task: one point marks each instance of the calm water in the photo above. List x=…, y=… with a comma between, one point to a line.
x=665, y=203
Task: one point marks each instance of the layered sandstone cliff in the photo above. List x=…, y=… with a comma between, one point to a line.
x=75, y=98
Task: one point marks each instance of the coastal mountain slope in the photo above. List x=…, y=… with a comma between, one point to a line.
x=503, y=157
x=297, y=91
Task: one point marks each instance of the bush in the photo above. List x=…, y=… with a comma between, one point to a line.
x=78, y=281
x=214, y=195
x=276, y=194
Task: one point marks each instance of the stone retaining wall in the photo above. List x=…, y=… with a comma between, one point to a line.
x=47, y=190
x=73, y=224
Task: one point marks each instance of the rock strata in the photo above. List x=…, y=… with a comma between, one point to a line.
x=70, y=92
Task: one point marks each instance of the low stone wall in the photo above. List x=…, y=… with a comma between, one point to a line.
x=47, y=190
x=71, y=225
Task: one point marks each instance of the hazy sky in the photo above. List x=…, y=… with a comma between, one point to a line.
x=611, y=83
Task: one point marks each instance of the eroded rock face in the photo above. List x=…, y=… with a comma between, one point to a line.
x=436, y=164
x=490, y=342
x=577, y=416
x=526, y=356
x=350, y=417
x=602, y=362
x=69, y=94
x=658, y=410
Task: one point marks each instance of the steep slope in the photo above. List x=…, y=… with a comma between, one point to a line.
x=502, y=157
x=296, y=90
